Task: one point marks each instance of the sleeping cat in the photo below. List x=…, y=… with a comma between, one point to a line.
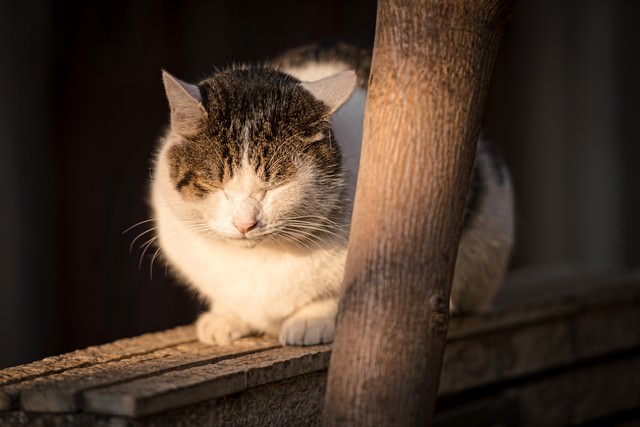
x=252, y=195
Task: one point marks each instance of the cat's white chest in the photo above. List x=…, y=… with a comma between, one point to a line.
x=262, y=285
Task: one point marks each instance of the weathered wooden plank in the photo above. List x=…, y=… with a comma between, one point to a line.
x=472, y=362
x=276, y=365
x=120, y=349
x=61, y=392
x=501, y=411
x=534, y=329
x=586, y=290
x=98, y=354
x=579, y=395
x=522, y=301
x=576, y=395
x=526, y=349
x=489, y=358
x=292, y=402
x=573, y=396
x=600, y=332
x=5, y=402
x=189, y=386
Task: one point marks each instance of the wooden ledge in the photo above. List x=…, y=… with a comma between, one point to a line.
x=567, y=331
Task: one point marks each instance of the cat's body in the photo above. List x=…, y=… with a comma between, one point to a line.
x=252, y=195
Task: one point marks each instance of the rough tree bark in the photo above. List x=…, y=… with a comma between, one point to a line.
x=432, y=63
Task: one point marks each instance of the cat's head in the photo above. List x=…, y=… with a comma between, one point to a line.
x=251, y=156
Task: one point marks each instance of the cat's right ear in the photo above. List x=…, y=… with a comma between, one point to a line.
x=187, y=112
x=333, y=91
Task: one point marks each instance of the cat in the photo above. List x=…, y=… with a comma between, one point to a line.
x=252, y=194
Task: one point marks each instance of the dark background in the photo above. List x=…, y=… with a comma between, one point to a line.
x=82, y=105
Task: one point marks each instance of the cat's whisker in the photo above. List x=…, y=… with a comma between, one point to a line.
x=145, y=246
x=137, y=224
x=139, y=236
x=310, y=231
x=320, y=217
x=319, y=221
x=296, y=239
x=155, y=255
x=202, y=229
x=304, y=239
x=313, y=234
x=327, y=227
x=310, y=227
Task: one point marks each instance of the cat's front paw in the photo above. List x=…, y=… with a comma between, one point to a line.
x=313, y=324
x=213, y=328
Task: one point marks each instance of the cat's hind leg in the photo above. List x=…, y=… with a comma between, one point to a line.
x=310, y=325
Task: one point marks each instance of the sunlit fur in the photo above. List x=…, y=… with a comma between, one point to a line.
x=261, y=279
x=284, y=276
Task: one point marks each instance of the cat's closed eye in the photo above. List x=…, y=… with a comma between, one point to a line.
x=259, y=194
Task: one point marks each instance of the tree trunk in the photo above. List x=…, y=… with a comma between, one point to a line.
x=432, y=62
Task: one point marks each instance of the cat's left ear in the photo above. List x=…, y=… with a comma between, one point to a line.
x=333, y=91
x=187, y=111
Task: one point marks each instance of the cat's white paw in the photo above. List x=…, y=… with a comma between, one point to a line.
x=300, y=331
x=313, y=324
x=213, y=328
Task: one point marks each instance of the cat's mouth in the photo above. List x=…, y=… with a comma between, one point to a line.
x=244, y=241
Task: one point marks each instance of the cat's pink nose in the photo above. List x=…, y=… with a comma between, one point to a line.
x=244, y=226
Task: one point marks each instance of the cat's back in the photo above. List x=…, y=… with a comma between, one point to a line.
x=316, y=61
